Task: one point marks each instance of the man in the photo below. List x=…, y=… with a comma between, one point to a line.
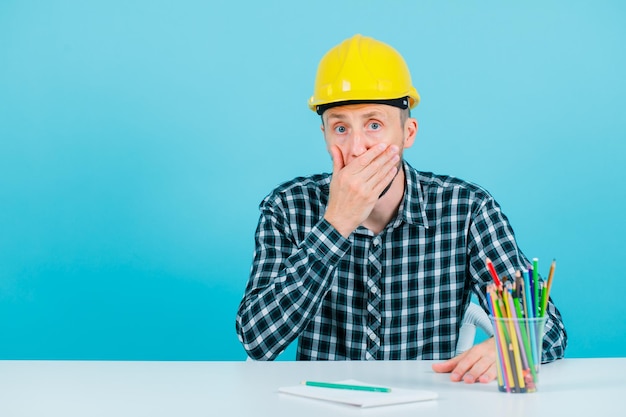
x=377, y=260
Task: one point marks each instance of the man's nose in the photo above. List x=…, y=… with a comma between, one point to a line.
x=358, y=144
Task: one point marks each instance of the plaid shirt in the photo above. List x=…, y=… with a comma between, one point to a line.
x=400, y=294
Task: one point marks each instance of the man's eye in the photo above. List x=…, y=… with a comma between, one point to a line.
x=340, y=129
x=374, y=126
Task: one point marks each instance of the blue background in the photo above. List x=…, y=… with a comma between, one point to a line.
x=138, y=137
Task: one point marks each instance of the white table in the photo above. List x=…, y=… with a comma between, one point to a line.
x=579, y=387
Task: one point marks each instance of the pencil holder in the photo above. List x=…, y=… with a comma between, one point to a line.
x=519, y=346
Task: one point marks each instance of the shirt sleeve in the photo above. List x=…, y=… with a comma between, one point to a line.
x=288, y=281
x=491, y=236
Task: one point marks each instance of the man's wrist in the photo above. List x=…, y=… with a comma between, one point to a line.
x=344, y=230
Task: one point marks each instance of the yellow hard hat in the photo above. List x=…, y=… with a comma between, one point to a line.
x=362, y=70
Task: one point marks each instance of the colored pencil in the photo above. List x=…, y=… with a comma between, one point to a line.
x=490, y=302
x=536, y=285
x=345, y=386
x=548, y=286
x=492, y=271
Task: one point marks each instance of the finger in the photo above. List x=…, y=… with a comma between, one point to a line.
x=477, y=365
x=489, y=375
x=484, y=370
x=450, y=366
x=463, y=370
x=447, y=366
x=382, y=167
x=364, y=162
x=337, y=157
x=383, y=177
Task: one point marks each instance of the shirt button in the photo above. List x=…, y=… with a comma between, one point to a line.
x=374, y=290
x=372, y=336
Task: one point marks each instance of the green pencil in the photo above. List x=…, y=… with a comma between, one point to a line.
x=345, y=386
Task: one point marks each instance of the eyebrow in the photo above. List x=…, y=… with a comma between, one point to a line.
x=375, y=113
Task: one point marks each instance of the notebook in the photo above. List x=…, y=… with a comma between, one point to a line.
x=360, y=398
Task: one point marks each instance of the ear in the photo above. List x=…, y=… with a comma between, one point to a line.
x=410, y=131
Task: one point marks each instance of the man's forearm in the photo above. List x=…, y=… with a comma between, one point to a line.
x=273, y=314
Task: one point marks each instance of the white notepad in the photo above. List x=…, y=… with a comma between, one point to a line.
x=360, y=398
